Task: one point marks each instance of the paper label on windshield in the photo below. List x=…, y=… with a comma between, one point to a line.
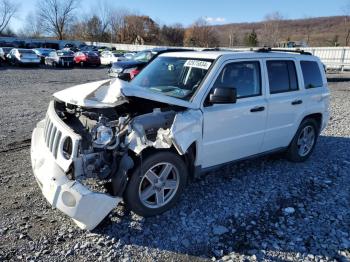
x=198, y=64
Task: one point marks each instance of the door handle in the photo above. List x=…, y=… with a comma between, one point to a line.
x=257, y=109
x=297, y=102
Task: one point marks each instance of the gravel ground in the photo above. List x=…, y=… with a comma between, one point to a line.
x=263, y=209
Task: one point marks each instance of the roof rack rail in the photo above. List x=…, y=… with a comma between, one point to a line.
x=269, y=49
x=219, y=49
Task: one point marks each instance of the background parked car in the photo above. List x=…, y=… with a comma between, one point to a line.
x=87, y=58
x=71, y=47
x=19, y=56
x=130, y=55
x=61, y=58
x=89, y=48
x=4, y=51
x=127, y=70
x=109, y=57
x=102, y=49
x=42, y=53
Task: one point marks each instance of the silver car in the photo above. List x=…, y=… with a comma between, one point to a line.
x=19, y=56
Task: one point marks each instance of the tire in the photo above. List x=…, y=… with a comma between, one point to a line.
x=140, y=183
x=302, y=146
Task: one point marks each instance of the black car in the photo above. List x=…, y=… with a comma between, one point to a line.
x=127, y=70
x=60, y=58
x=43, y=53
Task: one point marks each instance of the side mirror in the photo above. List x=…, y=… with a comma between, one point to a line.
x=223, y=95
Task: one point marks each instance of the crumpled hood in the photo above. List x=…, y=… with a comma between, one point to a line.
x=111, y=93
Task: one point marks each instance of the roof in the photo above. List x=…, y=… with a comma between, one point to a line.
x=237, y=55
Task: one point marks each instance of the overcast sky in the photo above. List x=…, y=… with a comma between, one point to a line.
x=215, y=11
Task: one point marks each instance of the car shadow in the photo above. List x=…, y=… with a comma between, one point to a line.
x=265, y=207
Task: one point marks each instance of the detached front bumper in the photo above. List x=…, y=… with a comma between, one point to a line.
x=85, y=207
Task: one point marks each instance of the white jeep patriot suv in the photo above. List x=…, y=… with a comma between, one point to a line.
x=184, y=114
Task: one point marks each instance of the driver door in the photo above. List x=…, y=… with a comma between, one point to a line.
x=235, y=131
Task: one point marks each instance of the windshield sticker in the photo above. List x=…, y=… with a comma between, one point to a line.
x=198, y=64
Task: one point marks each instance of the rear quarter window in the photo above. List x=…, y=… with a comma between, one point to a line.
x=312, y=74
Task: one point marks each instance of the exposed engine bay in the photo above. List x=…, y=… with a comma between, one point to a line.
x=112, y=138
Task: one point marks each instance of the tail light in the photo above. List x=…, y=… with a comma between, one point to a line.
x=132, y=72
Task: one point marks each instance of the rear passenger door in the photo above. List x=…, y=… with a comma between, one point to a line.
x=286, y=102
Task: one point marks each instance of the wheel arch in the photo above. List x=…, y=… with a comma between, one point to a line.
x=318, y=117
x=189, y=157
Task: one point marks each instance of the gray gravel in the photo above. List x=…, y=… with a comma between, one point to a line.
x=263, y=209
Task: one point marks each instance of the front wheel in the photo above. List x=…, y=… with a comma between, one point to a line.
x=304, y=141
x=156, y=184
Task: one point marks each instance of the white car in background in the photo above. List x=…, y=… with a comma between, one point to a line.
x=108, y=57
x=19, y=56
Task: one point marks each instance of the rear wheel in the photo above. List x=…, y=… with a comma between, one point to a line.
x=156, y=186
x=304, y=141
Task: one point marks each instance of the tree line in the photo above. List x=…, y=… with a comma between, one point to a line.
x=65, y=19
x=62, y=19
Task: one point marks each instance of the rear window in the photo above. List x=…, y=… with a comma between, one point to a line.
x=312, y=74
x=23, y=51
x=65, y=53
x=90, y=53
x=282, y=76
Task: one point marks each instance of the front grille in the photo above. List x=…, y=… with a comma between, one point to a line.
x=56, y=134
x=52, y=136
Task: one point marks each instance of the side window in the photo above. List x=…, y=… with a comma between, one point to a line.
x=282, y=76
x=312, y=74
x=244, y=76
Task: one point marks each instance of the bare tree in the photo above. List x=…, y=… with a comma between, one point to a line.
x=32, y=26
x=201, y=34
x=117, y=22
x=56, y=16
x=139, y=29
x=8, y=10
x=103, y=12
x=172, y=35
x=271, y=30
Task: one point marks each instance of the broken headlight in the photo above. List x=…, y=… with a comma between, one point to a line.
x=104, y=133
x=103, y=136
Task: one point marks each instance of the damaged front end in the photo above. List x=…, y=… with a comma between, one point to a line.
x=82, y=156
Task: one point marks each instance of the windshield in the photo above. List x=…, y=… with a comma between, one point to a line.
x=174, y=76
x=90, y=53
x=143, y=56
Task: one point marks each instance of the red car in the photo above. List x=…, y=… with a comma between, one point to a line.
x=85, y=58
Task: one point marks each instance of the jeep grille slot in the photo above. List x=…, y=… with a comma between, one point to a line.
x=52, y=136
